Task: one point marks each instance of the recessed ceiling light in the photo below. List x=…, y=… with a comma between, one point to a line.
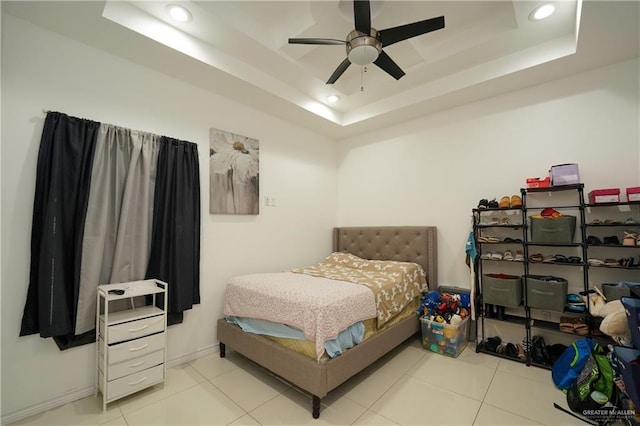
x=541, y=12
x=333, y=98
x=179, y=13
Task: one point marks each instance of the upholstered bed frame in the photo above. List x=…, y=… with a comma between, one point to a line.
x=409, y=243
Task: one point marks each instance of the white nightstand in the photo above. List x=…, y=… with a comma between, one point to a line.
x=131, y=343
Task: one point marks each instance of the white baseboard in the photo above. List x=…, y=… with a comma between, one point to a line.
x=183, y=359
x=77, y=394
x=55, y=402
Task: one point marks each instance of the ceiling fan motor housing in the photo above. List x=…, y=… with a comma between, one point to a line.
x=362, y=48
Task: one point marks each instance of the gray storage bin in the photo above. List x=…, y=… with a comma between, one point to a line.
x=502, y=290
x=548, y=295
x=614, y=291
x=558, y=230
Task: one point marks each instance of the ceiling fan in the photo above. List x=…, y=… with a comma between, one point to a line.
x=364, y=44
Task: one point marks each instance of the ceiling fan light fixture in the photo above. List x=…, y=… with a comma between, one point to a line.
x=542, y=12
x=333, y=98
x=179, y=13
x=363, y=55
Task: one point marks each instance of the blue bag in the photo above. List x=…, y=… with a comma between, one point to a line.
x=568, y=366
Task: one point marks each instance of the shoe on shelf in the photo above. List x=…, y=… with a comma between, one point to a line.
x=592, y=240
x=493, y=204
x=516, y=201
x=537, y=257
x=539, y=351
x=492, y=343
x=519, y=256
x=505, y=203
x=629, y=238
x=611, y=240
x=496, y=255
x=508, y=255
x=483, y=204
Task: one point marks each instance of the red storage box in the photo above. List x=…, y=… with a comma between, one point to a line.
x=611, y=195
x=538, y=183
x=633, y=193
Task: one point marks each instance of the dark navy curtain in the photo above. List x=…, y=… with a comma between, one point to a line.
x=63, y=175
x=175, y=236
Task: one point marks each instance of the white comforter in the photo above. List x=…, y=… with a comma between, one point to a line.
x=320, y=307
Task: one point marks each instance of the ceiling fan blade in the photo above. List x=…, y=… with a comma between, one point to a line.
x=338, y=72
x=403, y=32
x=386, y=63
x=362, y=15
x=316, y=41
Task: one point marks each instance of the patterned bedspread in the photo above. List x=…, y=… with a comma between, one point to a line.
x=320, y=307
x=395, y=284
x=324, y=299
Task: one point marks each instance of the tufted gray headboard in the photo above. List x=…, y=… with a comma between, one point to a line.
x=417, y=244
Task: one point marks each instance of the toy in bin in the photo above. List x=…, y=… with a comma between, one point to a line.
x=444, y=318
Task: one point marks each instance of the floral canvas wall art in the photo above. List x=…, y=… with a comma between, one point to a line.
x=234, y=173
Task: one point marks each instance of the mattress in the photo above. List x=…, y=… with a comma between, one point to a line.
x=307, y=348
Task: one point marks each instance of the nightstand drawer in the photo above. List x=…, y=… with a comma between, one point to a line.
x=134, y=329
x=134, y=382
x=130, y=366
x=135, y=348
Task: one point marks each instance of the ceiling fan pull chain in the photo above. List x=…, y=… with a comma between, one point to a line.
x=363, y=69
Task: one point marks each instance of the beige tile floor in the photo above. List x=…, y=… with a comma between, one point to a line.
x=409, y=386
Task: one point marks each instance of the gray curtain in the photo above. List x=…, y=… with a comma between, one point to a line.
x=117, y=236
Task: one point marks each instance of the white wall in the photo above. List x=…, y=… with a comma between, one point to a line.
x=42, y=70
x=430, y=171
x=434, y=170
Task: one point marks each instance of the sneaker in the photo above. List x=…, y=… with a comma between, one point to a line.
x=493, y=204
x=483, y=204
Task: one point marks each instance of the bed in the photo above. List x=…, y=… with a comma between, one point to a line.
x=416, y=244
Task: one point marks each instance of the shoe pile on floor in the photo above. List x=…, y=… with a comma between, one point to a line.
x=496, y=345
x=541, y=353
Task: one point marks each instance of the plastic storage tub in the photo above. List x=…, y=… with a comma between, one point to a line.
x=444, y=338
x=565, y=174
x=502, y=290
x=546, y=292
x=558, y=230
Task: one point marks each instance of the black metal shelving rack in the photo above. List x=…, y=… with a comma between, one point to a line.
x=548, y=325
x=478, y=227
x=527, y=319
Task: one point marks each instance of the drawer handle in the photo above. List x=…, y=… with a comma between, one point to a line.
x=138, y=348
x=133, y=330
x=138, y=364
x=137, y=382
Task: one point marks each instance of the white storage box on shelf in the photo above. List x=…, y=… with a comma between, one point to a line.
x=131, y=343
